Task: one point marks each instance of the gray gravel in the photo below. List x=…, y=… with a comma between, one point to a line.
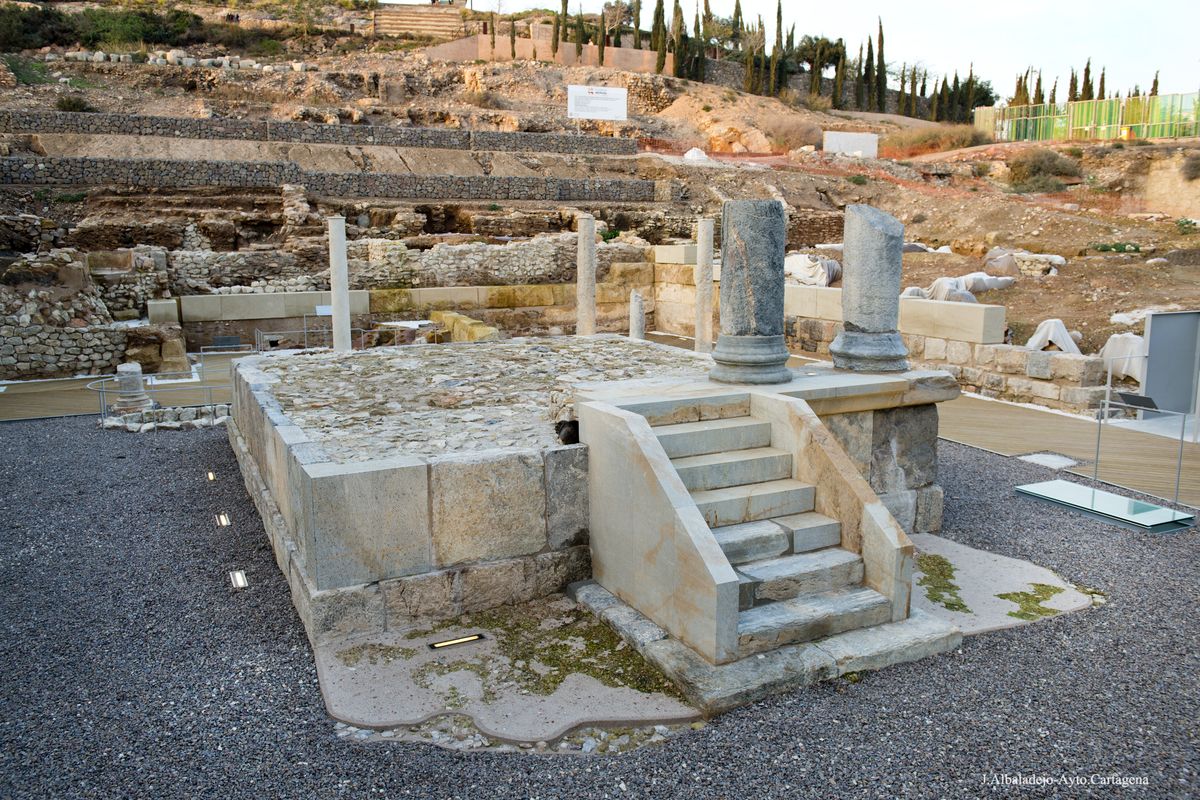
x=133, y=670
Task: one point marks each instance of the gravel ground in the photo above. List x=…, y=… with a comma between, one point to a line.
x=133, y=670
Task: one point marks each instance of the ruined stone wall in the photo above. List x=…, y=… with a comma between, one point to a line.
x=215, y=272
x=248, y=174
x=1009, y=372
x=383, y=263
x=812, y=226
x=309, y=133
x=42, y=351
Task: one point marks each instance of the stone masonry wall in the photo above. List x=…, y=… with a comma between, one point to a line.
x=248, y=174
x=309, y=133
x=1009, y=372
x=42, y=351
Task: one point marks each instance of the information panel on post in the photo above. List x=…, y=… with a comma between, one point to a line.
x=597, y=102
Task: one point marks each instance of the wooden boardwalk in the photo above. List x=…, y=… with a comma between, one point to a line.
x=70, y=396
x=1140, y=461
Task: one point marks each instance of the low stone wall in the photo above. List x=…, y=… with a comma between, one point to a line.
x=148, y=172
x=379, y=545
x=42, y=351
x=812, y=226
x=12, y=121
x=1008, y=372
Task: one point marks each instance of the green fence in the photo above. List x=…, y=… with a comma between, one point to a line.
x=1163, y=117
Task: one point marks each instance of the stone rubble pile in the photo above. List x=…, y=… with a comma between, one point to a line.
x=186, y=418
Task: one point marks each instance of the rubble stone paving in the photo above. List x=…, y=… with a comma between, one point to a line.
x=435, y=399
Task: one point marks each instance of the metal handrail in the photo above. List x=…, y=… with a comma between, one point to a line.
x=102, y=386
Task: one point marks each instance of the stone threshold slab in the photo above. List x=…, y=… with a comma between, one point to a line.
x=543, y=669
x=718, y=688
x=826, y=389
x=978, y=591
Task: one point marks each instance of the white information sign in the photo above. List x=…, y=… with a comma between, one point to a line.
x=597, y=102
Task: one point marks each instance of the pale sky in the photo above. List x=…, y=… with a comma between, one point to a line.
x=1002, y=38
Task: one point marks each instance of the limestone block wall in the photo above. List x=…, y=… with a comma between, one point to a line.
x=146, y=172
x=208, y=271
x=128, y=280
x=17, y=121
x=529, y=309
x=377, y=545
x=963, y=339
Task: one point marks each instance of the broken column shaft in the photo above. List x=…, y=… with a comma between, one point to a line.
x=750, y=348
x=871, y=267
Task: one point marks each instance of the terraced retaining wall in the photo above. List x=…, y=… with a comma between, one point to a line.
x=251, y=174
x=309, y=133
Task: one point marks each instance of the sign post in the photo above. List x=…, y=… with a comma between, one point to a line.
x=597, y=102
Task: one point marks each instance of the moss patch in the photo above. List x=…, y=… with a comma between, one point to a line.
x=374, y=654
x=541, y=644
x=938, y=579
x=1030, y=603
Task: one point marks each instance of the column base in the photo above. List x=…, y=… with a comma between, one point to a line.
x=859, y=351
x=750, y=359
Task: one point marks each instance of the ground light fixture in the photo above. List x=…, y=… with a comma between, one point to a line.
x=223, y=520
x=238, y=578
x=212, y=476
x=474, y=637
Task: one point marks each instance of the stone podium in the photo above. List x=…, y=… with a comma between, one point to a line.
x=750, y=347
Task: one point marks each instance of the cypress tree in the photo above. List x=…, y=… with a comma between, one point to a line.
x=512, y=38
x=924, y=79
x=839, y=80
x=881, y=73
x=1073, y=88
x=970, y=107
x=492, y=31
x=814, y=80
x=580, y=35
x=1039, y=97
x=858, y=81
x=955, y=96
x=777, y=51
x=1100, y=91
x=1054, y=91
x=737, y=25
x=1085, y=89
x=679, y=27
x=699, y=47
x=944, y=100
x=637, y=24
x=1154, y=86
x=660, y=26
x=869, y=76
x=912, y=92
x=565, y=20
x=900, y=97
x=616, y=34
x=933, y=104
x=554, y=34
x=602, y=35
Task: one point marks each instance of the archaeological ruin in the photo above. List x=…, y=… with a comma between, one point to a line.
x=381, y=387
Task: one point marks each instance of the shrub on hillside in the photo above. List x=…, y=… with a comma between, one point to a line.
x=1039, y=170
x=790, y=133
x=917, y=141
x=1191, y=167
x=70, y=102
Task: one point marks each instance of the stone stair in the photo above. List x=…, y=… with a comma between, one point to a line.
x=444, y=22
x=796, y=582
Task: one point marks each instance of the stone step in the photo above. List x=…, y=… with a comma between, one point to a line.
x=808, y=617
x=675, y=410
x=736, y=504
x=713, y=436
x=811, y=531
x=734, y=468
x=752, y=541
x=789, y=576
